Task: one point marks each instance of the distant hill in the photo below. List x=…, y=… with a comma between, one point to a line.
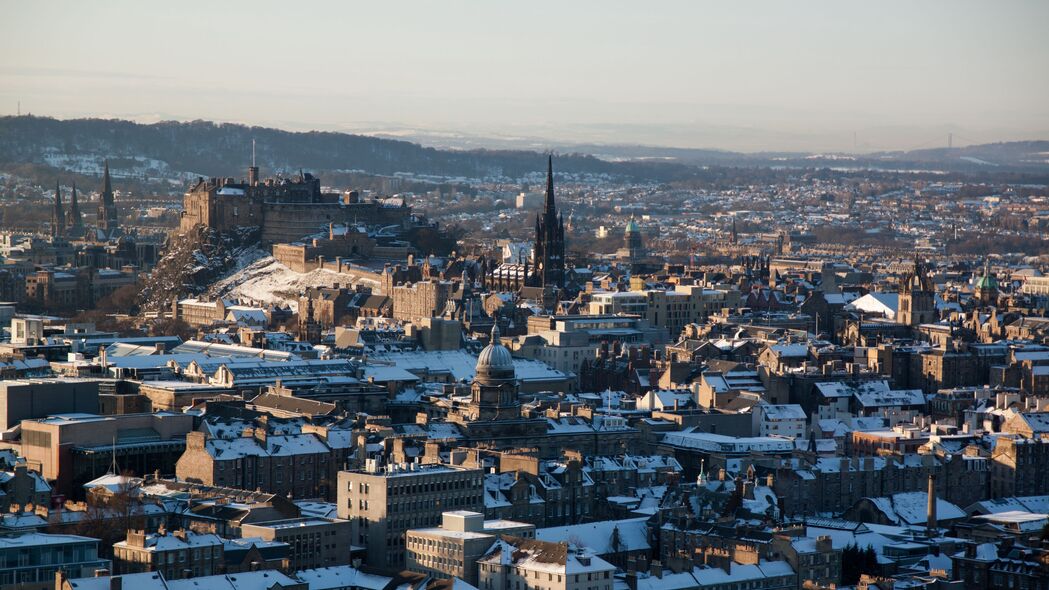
x=173, y=149
x=175, y=152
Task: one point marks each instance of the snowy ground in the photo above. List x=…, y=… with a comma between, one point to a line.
x=268, y=281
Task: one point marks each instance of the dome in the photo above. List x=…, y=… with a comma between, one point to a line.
x=632, y=227
x=988, y=282
x=495, y=360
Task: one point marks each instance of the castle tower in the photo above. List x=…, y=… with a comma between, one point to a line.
x=549, y=239
x=74, y=223
x=107, y=209
x=58, y=216
x=917, y=297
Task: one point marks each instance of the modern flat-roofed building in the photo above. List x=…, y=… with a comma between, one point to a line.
x=383, y=503
x=26, y=399
x=452, y=549
x=73, y=449
x=314, y=542
x=30, y=561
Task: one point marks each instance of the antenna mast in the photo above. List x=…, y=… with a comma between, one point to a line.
x=113, y=466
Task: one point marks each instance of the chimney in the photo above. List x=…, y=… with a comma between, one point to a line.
x=931, y=510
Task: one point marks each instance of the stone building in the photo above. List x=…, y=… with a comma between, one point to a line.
x=300, y=465
x=1019, y=466
x=834, y=484
x=424, y=299
x=330, y=304
x=79, y=288
x=917, y=303
x=23, y=487
x=549, y=241
x=283, y=209
x=178, y=555
x=383, y=502
x=338, y=249
x=515, y=563
x=313, y=541
x=452, y=549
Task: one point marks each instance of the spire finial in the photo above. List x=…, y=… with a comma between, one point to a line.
x=495, y=332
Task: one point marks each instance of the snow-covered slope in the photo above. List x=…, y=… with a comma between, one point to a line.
x=268, y=281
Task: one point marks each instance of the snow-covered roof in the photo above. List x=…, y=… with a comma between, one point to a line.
x=706, y=441
x=910, y=508
x=782, y=412
x=602, y=537
x=885, y=304
x=341, y=576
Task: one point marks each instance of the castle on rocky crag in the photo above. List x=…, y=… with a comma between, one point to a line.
x=286, y=209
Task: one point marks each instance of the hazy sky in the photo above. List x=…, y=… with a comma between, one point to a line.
x=730, y=74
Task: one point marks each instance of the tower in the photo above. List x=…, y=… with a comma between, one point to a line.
x=917, y=297
x=253, y=170
x=930, y=508
x=549, y=239
x=986, y=288
x=493, y=394
x=74, y=223
x=309, y=327
x=58, y=216
x=634, y=242
x=107, y=209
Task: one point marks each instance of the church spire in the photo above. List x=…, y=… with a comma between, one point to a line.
x=107, y=210
x=58, y=216
x=107, y=183
x=549, y=238
x=550, y=207
x=73, y=221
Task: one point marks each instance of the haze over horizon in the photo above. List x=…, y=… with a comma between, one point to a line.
x=765, y=76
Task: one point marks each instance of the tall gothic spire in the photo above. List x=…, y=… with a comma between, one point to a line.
x=549, y=239
x=107, y=183
x=58, y=216
x=107, y=210
x=73, y=220
x=550, y=207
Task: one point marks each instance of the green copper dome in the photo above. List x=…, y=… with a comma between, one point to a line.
x=988, y=282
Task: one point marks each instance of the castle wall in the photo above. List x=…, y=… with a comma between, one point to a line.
x=288, y=222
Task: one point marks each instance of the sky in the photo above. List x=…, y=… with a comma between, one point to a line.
x=740, y=75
